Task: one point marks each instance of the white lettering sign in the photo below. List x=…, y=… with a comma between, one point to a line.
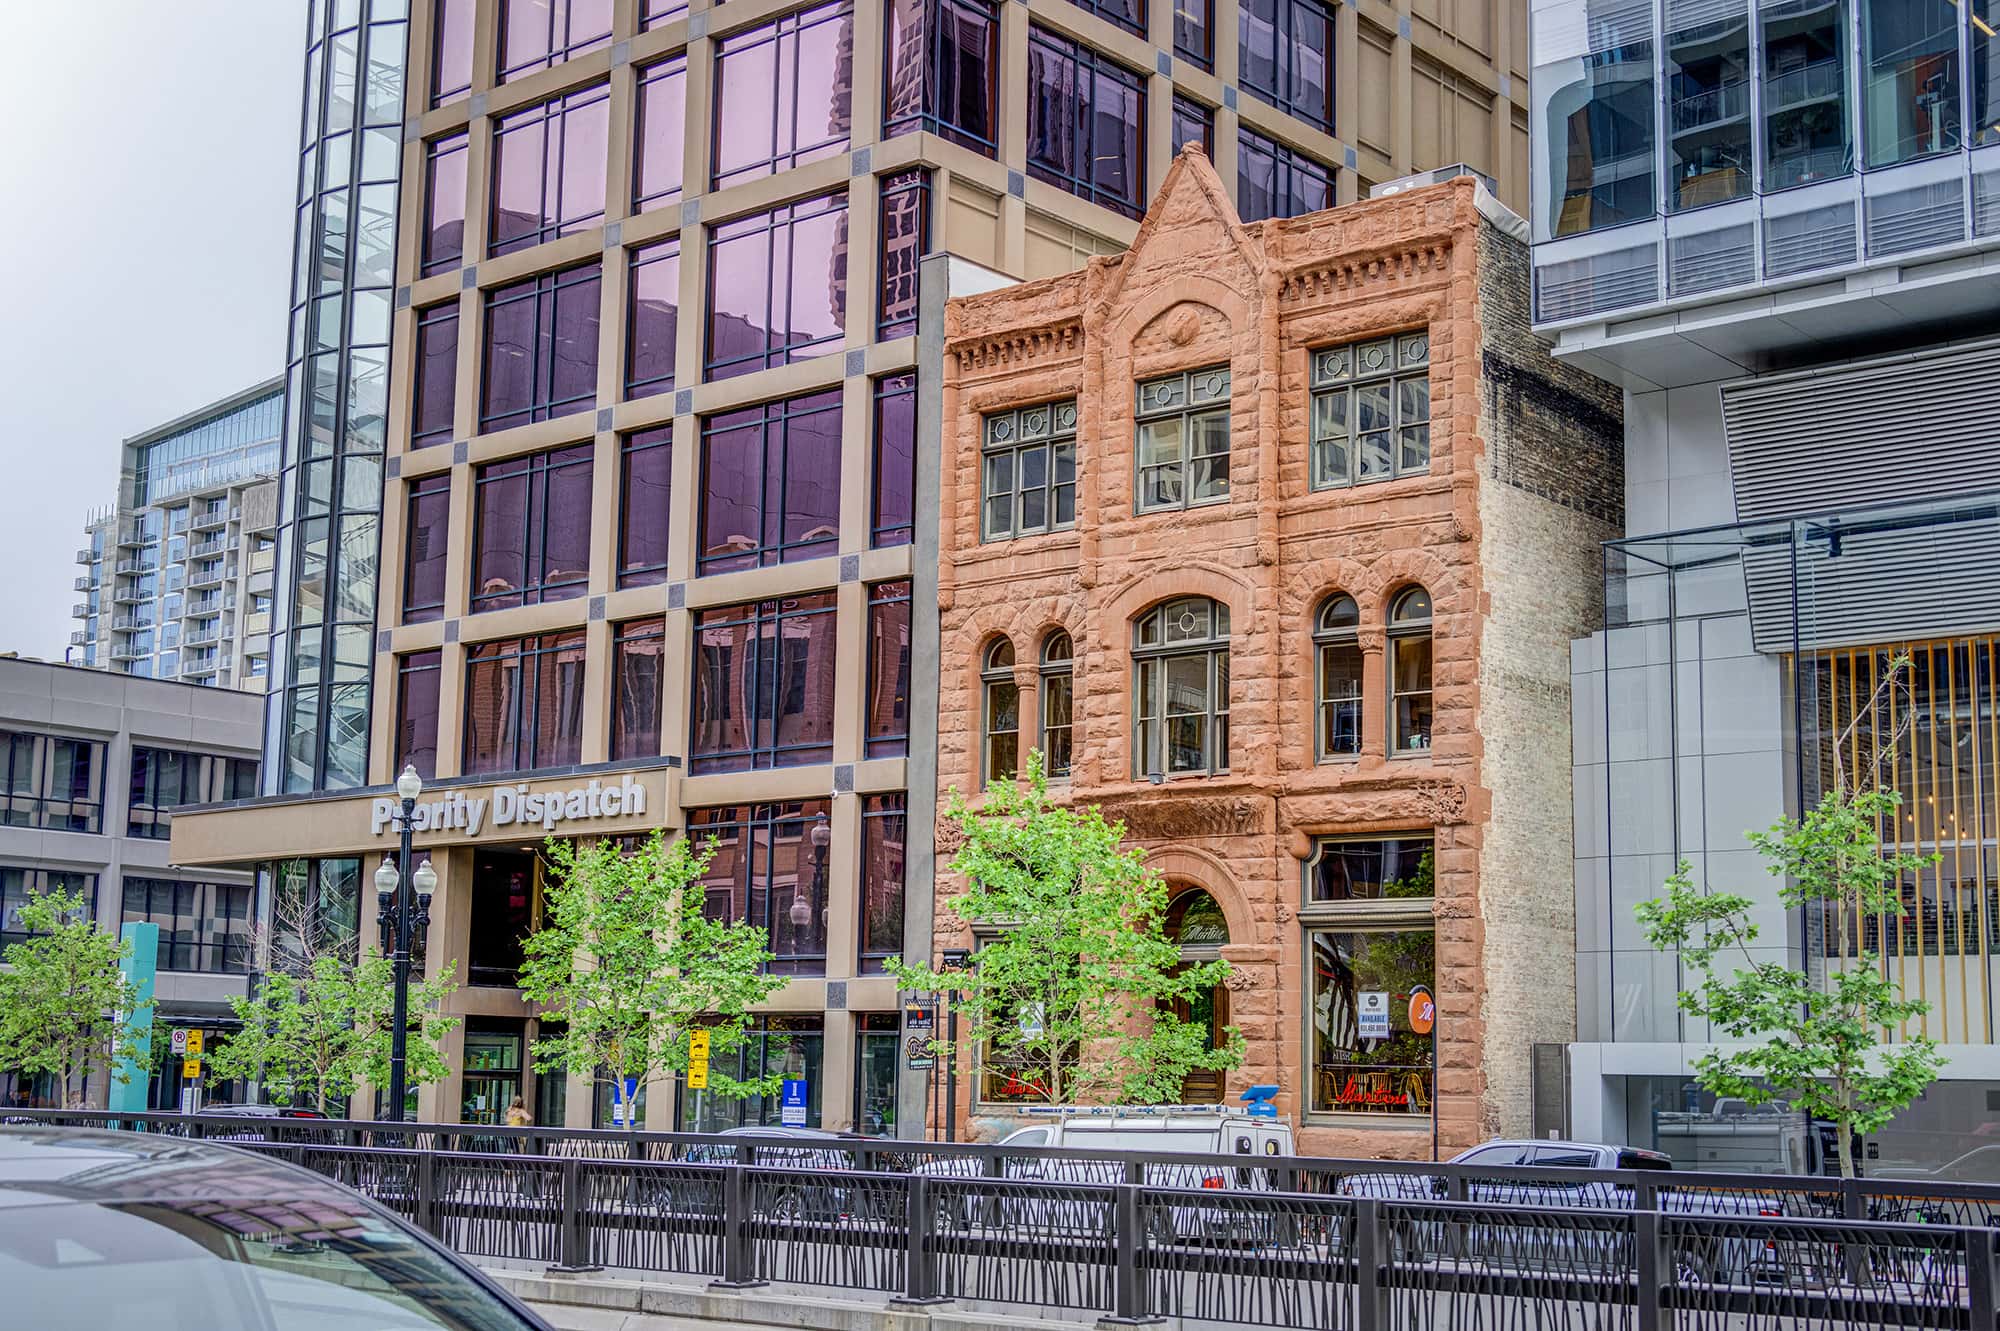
x=507, y=806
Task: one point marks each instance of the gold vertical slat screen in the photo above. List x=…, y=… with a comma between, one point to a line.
x=1935, y=738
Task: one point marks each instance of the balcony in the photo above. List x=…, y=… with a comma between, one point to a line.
x=213, y=578
x=203, y=605
x=1716, y=106
x=135, y=536
x=129, y=594
x=132, y=566
x=84, y=582
x=125, y=651
x=78, y=637
x=1807, y=85
x=79, y=611
x=127, y=623
x=211, y=521
x=86, y=556
x=210, y=631
x=215, y=545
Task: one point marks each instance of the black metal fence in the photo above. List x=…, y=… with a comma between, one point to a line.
x=1277, y=1241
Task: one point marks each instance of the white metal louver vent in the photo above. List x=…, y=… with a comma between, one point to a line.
x=1711, y=260
x=1597, y=282
x=1809, y=240
x=1916, y=219
x=1986, y=204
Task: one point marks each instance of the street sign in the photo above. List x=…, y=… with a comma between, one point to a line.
x=1372, y=1008
x=194, y=1044
x=792, y=1104
x=919, y=1020
x=1423, y=1011
x=698, y=1075
x=698, y=1046
x=190, y=1069
x=180, y=1044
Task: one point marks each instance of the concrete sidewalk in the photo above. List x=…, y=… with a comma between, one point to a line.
x=596, y=1302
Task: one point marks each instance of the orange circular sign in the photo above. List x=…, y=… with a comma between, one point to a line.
x=1423, y=1011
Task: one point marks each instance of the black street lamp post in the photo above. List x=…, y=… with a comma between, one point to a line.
x=398, y=915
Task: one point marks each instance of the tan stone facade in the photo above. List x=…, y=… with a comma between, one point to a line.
x=1507, y=555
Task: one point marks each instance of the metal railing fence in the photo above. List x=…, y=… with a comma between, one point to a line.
x=1279, y=1241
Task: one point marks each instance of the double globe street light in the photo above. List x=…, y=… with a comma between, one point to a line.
x=398, y=915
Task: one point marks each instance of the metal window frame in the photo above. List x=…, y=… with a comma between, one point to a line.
x=1188, y=411
x=1324, y=636
x=1214, y=648
x=1000, y=432
x=1331, y=370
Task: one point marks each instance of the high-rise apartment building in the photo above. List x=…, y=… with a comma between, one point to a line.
x=537, y=528
x=1776, y=225
x=178, y=573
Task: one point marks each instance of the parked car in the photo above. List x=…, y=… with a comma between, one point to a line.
x=799, y=1151
x=1531, y=1246
x=1184, y=1130
x=120, y=1228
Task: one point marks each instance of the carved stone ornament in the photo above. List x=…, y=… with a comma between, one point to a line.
x=1192, y=819
x=1238, y=980
x=950, y=837
x=1284, y=914
x=1442, y=802
x=1182, y=325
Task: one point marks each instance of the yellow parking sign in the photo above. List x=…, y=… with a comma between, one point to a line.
x=698, y=1046
x=190, y=1069
x=698, y=1075
x=194, y=1044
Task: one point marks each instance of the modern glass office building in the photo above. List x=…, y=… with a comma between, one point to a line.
x=602, y=450
x=1774, y=224
x=178, y=573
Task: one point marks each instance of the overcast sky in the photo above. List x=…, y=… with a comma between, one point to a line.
x=146, y=169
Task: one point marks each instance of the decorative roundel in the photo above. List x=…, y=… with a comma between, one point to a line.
x=1375, y=356
x=1066, y=416
x=1001, y=430
x=1416, y=349
x=1212, y=383
x=1034, y=422
x=1332, y=363
x=1187, y=622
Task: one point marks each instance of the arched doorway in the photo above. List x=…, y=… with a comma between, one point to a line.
x=1195, y=923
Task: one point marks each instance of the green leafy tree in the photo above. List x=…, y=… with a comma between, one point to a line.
x=630, y=962
x=314, y=1037
x=1818, y=1045
x=1074, y=990
x=62, y=998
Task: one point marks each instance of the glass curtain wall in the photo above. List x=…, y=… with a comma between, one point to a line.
x=1594, y=96
x=1708, y=103
x=336, y=394
x=1909, y=53
x=1807, y=131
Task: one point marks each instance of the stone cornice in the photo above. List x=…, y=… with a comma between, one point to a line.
x=1343, y=272
x=1016, y=348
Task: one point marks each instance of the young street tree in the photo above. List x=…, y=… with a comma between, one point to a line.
x=320, y=1025
x=62, y=998
x=630, y=963
x=1073, y=988
x=1814, y=1045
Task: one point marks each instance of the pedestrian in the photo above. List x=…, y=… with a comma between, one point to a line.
x=518, y=1117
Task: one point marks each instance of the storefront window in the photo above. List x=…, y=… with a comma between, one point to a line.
x=503, y=899
x=492, y=1069
x=789, y=1048
x=875, y=1060
x=1367, y=1057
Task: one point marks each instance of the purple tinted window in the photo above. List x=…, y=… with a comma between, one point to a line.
x=941, y=62
x=417, y=679
x=1086, y=123
x=1193, y=123
x=764, y=689
x=1274, y=181
x=531, y=528
x=451, y=61
x=895, y=460
x=638, y=686
x=540, y=356
x=889, y=669
x=782, y=93
x=524, y=703
x=884, y=834
x=661, y=142
x=768, y=864
x=777, y=285
x=1194, y=32
x=444, y=187
x=548, y=170
x=770, y=484
x=429, y=537
x=660, y=12
x=535, y=34
x=905, y=239
x=437, y=375
x=1286, y=56
x=1127, y=14
x=652, y=319
x=646, y=494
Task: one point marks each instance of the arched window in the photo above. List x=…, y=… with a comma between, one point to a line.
x=1337, y=643
x=1058, y=671
x=1180, y=688
x=1001, y=711
x=1410, y=672
x=1194, y=921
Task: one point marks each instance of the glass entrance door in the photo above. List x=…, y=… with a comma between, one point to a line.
x=492, y=1071
x=875, y=1049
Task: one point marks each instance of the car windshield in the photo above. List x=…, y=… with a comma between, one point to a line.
x=231, y=1266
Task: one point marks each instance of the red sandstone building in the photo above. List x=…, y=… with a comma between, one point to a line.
x=1273, y=538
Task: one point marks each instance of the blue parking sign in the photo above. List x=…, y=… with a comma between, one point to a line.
x=792, y=1104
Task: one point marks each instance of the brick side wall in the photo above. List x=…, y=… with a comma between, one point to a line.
x=1554, y=491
